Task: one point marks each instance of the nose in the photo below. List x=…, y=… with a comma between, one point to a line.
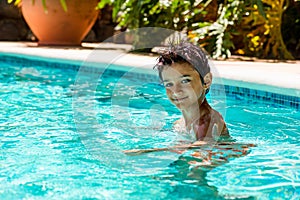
x=177, y=90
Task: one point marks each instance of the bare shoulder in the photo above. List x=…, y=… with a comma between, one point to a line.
x=221, y=124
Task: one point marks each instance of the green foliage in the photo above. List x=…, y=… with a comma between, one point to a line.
x=222, y=27
x=216, y=36
x=206, y=22
x=290, y=34
x=262, y=33
x=149, y=13
x=16, y=2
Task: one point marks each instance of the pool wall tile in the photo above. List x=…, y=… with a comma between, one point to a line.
x=232, y=91
x=240, y=92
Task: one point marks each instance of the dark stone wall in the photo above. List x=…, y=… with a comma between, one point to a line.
x=104, y=27
x=12, y=24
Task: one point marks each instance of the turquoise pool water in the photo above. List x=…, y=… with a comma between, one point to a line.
x=52, y=148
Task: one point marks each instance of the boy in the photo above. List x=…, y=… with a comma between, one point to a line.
x=185, y=73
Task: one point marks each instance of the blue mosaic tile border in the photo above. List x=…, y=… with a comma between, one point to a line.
x=35, y=61
x=232, y=91
x=113, y=70
x=260, y=95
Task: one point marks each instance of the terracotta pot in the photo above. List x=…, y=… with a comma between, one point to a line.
x=54, y=26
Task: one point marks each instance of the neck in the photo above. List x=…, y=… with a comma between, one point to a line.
x=195, y=112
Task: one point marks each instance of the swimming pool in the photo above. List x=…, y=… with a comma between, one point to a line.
x=53, y=148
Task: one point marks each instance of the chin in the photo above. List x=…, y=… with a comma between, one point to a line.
x=181, y=106
x=185, y=105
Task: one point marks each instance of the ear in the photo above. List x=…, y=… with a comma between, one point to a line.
x=207, y=80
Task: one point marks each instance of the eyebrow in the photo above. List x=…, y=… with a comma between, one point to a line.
x=183, y=76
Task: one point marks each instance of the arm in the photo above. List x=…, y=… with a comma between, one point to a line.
x=237, y=147
x=196, y=144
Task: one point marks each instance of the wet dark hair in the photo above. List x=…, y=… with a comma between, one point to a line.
x=184, y=52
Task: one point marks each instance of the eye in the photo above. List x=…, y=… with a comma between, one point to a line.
x=186, y=81
x=168, y=84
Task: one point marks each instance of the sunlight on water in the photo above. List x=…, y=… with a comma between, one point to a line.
x=55, y=146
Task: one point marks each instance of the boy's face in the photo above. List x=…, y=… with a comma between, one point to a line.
x=183, y=85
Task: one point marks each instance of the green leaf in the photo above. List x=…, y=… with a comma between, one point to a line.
x=203, y=24
x=154, y=9
x=44, y=5
x=174, y=5
x=260, y=7
x=64, y=5
x=18, y=2
x=103, y=3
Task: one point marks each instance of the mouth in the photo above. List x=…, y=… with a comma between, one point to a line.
x=178, y=100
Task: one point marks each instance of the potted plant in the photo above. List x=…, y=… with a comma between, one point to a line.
x=59, y=22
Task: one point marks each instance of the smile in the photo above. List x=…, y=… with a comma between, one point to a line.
x=179, y=99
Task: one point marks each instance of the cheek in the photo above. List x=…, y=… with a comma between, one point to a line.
x=169, y=95
x=197, y=86
x=168, y=92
